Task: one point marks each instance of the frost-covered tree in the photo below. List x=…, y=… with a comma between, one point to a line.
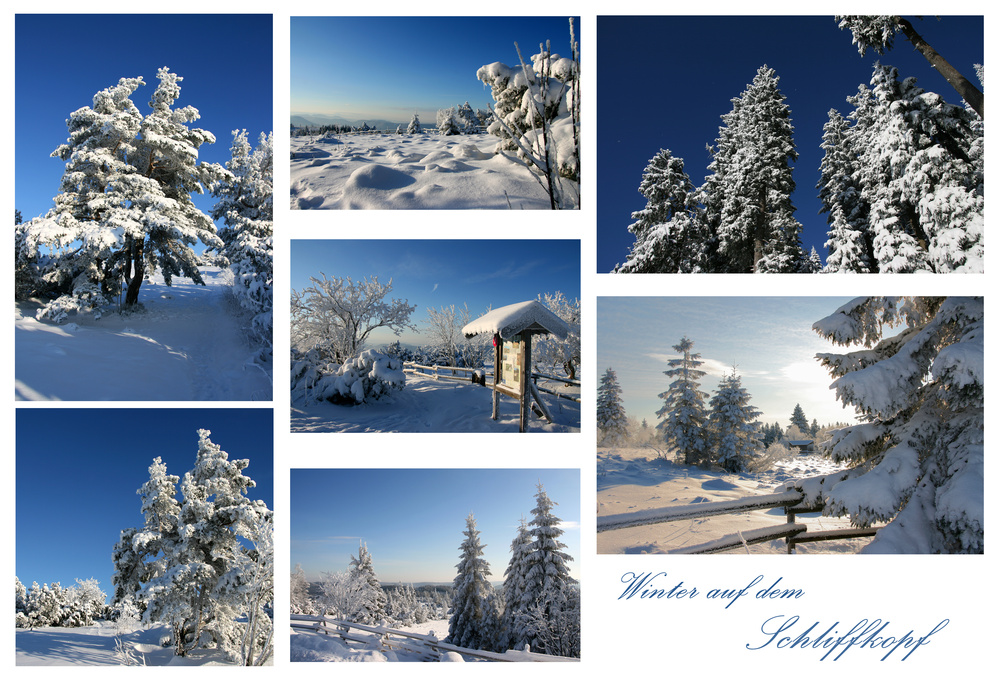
x=473, y=623
x=917, y=457
x=734, y=433
x=547, y=581
x=468, y=123
x=751, y=186
x=548, y=350
x=514, y=593
x=612, y=423
x=414, y=126
x=669, y=235
x=447, y=122
x=299, y=599
x=849, y=246
x=200, y=577
x=246, y=205
x=683, y=412
x=336, y=315
x=372, y=602
x=878, y=33
x=124, y=209
x=537, y=115
x=799, y=418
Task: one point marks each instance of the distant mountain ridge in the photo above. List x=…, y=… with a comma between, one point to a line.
x=318, y=119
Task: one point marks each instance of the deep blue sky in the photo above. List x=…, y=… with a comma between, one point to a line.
x=62, y=60
x=412, y=519
x=389, y=67
x=664, y=82
x=78, y=470
x=439, y=273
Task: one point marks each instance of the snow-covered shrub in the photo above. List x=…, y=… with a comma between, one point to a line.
x=52, y=605
x=917, y=459
x=370, y=376
x=774, y=453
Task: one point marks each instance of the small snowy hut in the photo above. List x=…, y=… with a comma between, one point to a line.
x=512, y=328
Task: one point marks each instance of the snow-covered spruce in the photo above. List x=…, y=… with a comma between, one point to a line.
x=124, y=209
x=917, y=460
x=246, y=204
x=683, y=412
x=371, y=602
x=733, y=433
x=53, y=605
x=612, y=423
x=191, y=561
x=474, y=608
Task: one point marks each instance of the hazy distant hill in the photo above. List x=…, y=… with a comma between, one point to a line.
x=316, y=119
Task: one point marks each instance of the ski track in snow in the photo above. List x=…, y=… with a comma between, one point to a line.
x=402, y=171
x=183, y=346
x=629, y=480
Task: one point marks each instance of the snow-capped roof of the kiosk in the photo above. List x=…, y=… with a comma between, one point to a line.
x=510, y=320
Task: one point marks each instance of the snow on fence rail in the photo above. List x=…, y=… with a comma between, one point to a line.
x=428, y=647
x=481, y=376
x=791, y=532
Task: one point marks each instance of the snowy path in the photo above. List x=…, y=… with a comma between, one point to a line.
x=184, y=346
x=426, y=404
x=629, y=481
x=420, y=171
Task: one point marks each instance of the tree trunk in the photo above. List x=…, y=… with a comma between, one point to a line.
x=134, y=272
x=969, y=92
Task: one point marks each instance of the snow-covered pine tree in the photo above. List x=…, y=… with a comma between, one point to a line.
x=299, y=599
x=514, y=619
x=753, y=185
x=447, y=122
x=917, y=458
x=683, y=412
x=849, y=246
x=473, y=623
x=547, y=582
x=611, y=420
x=246, y=204
x=124, y=209
x=799, y=418
x=669, y=235
x=414, y=126
x=361, y=572
x=467, y=121
x=734, y=433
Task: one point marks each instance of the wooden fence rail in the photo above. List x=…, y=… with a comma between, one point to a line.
x=468, y=374
x=427, y=647
x=793, y=533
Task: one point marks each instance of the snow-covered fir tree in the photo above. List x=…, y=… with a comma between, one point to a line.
x=246, y=206
x=734, y=434
x=917, y=458
x=372, y=602
x=447, y=122
x=670, y=237
x=612, y=423
x=683, y=412
x=516, y=602
x=414, y=126
x=124, y=209
x=474, y=609
x=799, y=418
x=196, y=571
x=299, y=599
x=547, y=582
x=752, y=182
x=849, y=246
x=468, y=123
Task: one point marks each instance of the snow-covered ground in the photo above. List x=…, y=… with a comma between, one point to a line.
x=95, y=646
x=633, y=479
x=403, y=171
x=427, y=404
x=309, y=646
x=183, y=346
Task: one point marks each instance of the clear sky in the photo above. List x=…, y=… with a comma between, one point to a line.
x=390, y=67
x=438, y=273
x=78, y=471
x=412, y=519
x=769, y=339
x=688, y=68
x=224, y=60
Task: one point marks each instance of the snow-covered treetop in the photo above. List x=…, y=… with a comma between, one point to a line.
x=515, y=318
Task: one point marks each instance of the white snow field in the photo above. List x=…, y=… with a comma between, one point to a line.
x=633, y=479
x=427, y=404
x=309, y=646
x=185, y=345
x=404, y=171
x=95, y=646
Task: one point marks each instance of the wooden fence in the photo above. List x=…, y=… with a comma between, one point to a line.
x=426, y=648
x=793, y=533
x=468, y=374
